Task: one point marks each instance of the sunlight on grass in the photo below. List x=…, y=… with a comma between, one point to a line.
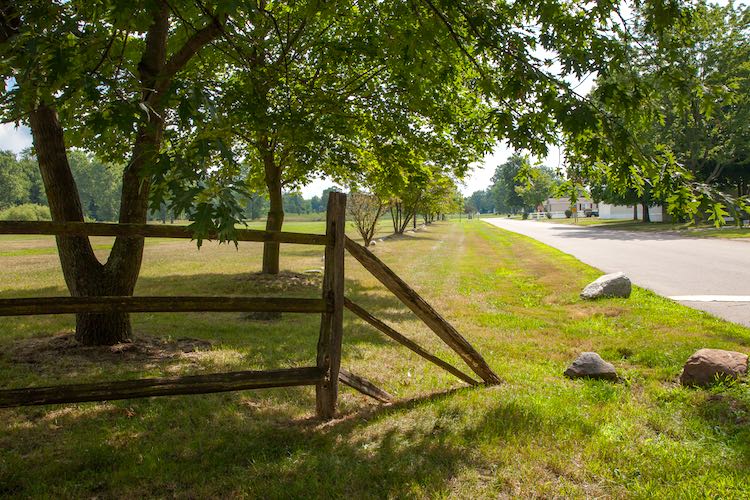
x=536, y=435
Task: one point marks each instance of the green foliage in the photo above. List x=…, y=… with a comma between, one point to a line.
x=26, y=212
x=504, y=185
x=680, y=100
x=99, y=186
x=14, y=185
x=534, y=185
x=481, y=201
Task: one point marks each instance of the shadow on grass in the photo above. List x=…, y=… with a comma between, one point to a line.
x=728, y=414
x=238, y=344
x=222, y=445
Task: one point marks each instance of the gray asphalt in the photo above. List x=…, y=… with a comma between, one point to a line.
x=715, y=273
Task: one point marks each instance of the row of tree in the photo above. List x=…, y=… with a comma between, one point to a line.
x=517, y=186
x=98, y=183
x=204, y=102
x=681, y=103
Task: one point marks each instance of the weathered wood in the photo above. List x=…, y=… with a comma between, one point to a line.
x=150, y=231
x=67, y=305
x=390, y=332
x=141, y=388
x=423, y=310
x=332, y=323
x=364, y=386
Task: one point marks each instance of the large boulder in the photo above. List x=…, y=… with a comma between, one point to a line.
x=590, y=364
x=609, y=285
x=707, y=365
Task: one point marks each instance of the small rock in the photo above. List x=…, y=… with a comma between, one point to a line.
x=609, y=285
x=590, y=364
x=372, y=243
x=707, y=365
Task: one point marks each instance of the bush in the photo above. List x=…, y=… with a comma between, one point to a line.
x=548, y=214
x=26, y=212
x=568, y=213
x=525, y=215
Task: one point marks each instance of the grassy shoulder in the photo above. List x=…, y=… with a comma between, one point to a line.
x=537, y=434
x=682, y=229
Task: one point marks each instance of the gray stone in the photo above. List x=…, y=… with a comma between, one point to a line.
x=373, y=243
x=705, y=366
x=590, y=364
x=609, y=285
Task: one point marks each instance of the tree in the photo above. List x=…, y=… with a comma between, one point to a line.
x=316, y=76
x=365, y=210
x=14, y=185
x=481, y=202
x=680, y=95
x=105, y=79
x=99, y=186
x=504, y=185
x=325, y=82
x=537, y=186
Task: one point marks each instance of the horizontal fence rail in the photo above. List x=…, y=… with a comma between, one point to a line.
x=151, y=231
x=70, y=305
x=142, y=388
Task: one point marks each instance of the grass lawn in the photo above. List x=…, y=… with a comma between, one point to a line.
x=536, y=435
x=683, y=229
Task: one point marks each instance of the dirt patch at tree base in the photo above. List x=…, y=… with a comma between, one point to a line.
x=48, y=350
x=286, y=280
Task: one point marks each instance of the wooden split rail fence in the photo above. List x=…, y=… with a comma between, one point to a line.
x=327, y=371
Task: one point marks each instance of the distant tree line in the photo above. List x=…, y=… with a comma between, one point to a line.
x=99, y=184
x=517, y=186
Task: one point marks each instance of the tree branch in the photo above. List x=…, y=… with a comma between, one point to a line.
x=179, y=59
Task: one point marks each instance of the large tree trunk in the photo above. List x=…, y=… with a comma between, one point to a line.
x=83, y=273
x=275, y=219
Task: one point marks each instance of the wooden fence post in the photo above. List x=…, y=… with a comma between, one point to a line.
x=332, y=323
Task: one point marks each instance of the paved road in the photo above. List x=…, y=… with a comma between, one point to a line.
x=708, y=274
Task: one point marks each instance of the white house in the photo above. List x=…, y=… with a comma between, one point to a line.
x=558, y=206
x=607, y=211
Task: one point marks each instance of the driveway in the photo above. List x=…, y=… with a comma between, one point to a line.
x=712, y=275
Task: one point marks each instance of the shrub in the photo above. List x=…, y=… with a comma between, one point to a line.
x=568, y=213
x=548, y=214
x=26, y=212
x=525, y=215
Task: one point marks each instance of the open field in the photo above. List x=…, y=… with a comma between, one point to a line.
x=537, y=434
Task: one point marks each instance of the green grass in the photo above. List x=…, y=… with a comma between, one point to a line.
x=682, y=229
x=536, y=435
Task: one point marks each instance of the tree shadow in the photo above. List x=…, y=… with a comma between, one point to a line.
x=223, y=445
x=727, y=413
x=235, y=343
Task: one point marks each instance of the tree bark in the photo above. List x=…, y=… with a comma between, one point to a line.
x=275, y=220
x=646, y=215
x=84, y=274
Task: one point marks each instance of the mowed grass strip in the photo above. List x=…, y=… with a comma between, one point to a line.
x=537, y=434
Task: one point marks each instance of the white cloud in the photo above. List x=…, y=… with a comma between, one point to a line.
x=14, y=138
